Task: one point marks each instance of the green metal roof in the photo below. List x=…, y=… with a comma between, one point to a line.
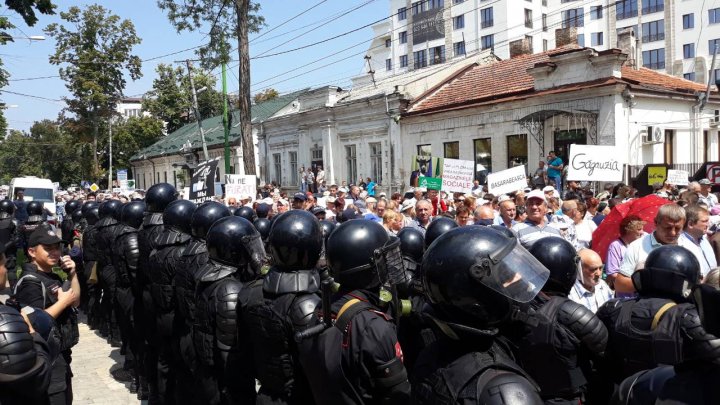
x=213, y=129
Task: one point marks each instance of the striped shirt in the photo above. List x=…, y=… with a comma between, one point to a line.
x=529, y=232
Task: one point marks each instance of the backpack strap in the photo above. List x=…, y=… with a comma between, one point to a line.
x=42, y=285
x=660, y=313
x=348, y=311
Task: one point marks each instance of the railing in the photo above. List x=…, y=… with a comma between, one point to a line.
x=654, y=37
x=653, y=9
x=626, y=14
x=487, y=23
x=656, y=65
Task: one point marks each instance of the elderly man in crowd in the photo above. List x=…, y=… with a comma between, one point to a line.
x=590, y=289
x=484, y=215
x=697, y=222
x=507, y=213
x=536, y=224
x=423, y=215
x=705, y=196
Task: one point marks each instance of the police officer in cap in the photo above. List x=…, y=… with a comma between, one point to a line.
x=359, y=358
x=236, y=255
x=282, y=303
x=557, y=349
x=475, y=279
x=163, y=261
x=8, y=238
x=157, y=197
x=107, y=275
x=41, y=288
x=648, y=330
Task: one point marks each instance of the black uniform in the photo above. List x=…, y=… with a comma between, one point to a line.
x=90, y=260
x=107, y=277
x=8, y=242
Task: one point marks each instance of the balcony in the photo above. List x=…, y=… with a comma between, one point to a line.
x=653, y=38
x=626, y=14
x=653, y=9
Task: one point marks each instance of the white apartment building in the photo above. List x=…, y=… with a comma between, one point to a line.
x=674, y=36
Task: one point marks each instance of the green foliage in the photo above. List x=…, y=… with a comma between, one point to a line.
x=133, y=134
x=27, y=8
x=171, y=97
x=266, y=95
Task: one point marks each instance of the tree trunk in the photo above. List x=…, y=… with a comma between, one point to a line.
x=248, y=147
x=96, y=165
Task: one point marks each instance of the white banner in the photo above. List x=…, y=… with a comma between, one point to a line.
x=595, y=163
x=507, y=181
x=678, y=177
x=457, y=175
x=238, y=186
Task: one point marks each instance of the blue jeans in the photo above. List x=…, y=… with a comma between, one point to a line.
x=558, y=182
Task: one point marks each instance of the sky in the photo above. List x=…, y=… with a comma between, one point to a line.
x=290, y=24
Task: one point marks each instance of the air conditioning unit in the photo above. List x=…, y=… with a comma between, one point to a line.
x=653, y=134
x=715, y=120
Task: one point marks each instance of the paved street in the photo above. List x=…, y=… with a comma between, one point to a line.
x=93, y=359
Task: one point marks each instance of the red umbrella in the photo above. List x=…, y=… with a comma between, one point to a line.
x=646, y=208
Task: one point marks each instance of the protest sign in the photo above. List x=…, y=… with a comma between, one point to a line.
x=202, y=185
x=678, y=177
x=239, y=186
x=595, y=163
x=507, y=181
x=457, y=175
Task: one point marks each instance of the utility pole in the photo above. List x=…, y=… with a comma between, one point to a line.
x=197, y=111
x=110, y=185
x=226, y=119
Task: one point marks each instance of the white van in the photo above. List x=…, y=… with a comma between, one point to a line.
x=36, y=189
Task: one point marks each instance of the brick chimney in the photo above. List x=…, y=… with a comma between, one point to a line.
x=565, y=36
x=627, y=43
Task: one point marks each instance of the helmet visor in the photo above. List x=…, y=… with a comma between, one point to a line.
x=518, y=275
x=389, y=263
x=256, y=252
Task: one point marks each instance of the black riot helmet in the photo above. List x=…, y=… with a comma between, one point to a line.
x=132, y=214
x=92, y=215
x=475, y=276
x=159, y=195
x=707, y=301
x=77, y=216
x=437, y=227
x=504, y=230
x=17, y=349
x=558, y=256
x=71, y=206
x=7, y=209
x=177, y=215
x=233, y=210
x=263, y=226
x=108, y=208
x=204, y=216
x=670, y=271
x=327, y=228
x=245, y=212
x=361, y=255
x=34, y=208
x=412, y=243
x=88, y=206
x=295, y=240
x=234, y=241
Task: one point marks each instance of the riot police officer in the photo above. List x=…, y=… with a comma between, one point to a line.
x=413, y=332
x=8, y=238
x=125, y=257
x=359, y=359
x=235, y=256
x=107, y=275
x=35, y=211
x=67, y=225
x=557, y=350
x=193, y=258
x=163, y=261
x=648, y=330
x=281, y=304
x=90, y=260
x=157, y=197
x=437, y=227
x=475, y=280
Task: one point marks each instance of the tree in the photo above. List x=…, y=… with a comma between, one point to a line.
x=133, y=134
x=266, y=95
x=57, y=153
x=238, y=17
x=171, y=99
x=18, y=157
x=94, y=49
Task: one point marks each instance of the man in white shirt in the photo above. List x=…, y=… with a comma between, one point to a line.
x=705, y=195
x=590, y=290
x=696, y=227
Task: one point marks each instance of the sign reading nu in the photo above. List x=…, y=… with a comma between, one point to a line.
x=428, y=25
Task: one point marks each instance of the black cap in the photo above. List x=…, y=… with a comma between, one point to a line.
x=317, y=210
x=300, y=196
x=43, y=236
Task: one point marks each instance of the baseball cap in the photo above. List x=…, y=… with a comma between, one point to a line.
x=283, y=201
x=504, y=198
x=547, y=189
x=705, y=182
x=343, y=190
x=536, y=194
x=43, y=236
x=330, y=200
x=300, y=196
x=370, y=200
x=317, y=210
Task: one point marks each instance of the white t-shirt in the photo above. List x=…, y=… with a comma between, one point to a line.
x=639, y=250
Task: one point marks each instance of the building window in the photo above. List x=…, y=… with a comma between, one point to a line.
x=714, y=15
x=132, y=112
x=435, y=4
x=517, y=150
x=451, y=150
x=424, y=150
x=573, y=18
x=376, y=162
x=486, y=17
x=529, y=42
x=388, y=64
x=459, y=48
x=544, y=22
x=487, y=41
x=713, y=46
x=277, y=165
x=388, y=43
x=715, y=75
x=317, y=154
x=689, y=76
x=654, y=59
x=626, y=9
x=351, y=161
x=402, y=13
x=403, y=61
x=688, y=51
x=596, y=12
x=437, y=55
x=419, y=7
x=483, y=156
x=420, y=59
x=292, y=157
x=596, y=39
x=528, y=18
x=458, y=1
x=581, y=39
x=652, y=6
x=669, y=140
x=402, y=37
x=688, y=21
x=653, y=31
x=545, y=45
x=459, y=22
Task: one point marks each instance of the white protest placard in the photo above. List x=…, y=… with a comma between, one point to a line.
x=507, y=181
x=678, y=177
x=595, y=163
x=457, y=175
x=238, y=185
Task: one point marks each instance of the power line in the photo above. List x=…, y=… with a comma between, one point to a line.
x=31, y=96
x=287, y=21
x=33, y=78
